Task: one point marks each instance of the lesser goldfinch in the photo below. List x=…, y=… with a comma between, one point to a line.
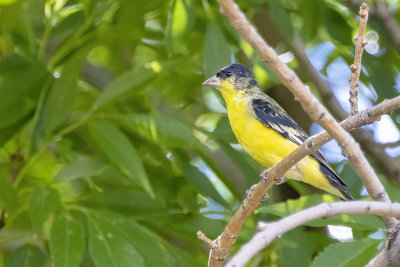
x=267, y=132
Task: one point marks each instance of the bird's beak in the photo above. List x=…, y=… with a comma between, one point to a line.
x=213, y=81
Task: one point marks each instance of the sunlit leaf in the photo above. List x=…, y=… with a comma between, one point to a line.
x=43, y=201
x=82, y=167
x=178, y=24
x=120, y=151
x=160, y=129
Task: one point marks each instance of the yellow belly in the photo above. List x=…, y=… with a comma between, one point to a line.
x=268, y=147
x=262, y=143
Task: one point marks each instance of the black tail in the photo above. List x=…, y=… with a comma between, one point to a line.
x=335, y=181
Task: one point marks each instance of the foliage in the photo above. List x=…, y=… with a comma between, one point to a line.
x=111, y=152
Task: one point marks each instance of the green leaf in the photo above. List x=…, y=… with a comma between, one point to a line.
x=216, y=50
x=67, y=241
x=298, y=247
x=44, y=200
x=124, y=199
x=117, y=241
x=200, y=181
x=392, y=189
x=281, y=18
x=283, y=209
x=124, y=83
x=179, y=21
x=82, y=167
x=59, y=100
x=360, y=222
x=312, y=13
x=27, y=256
x=8, y=196
x=339, y=29
x=160, y=129
x=182, y=258
x=347, y=254
x=120, y=151
x=20, y=84
x=8, y=132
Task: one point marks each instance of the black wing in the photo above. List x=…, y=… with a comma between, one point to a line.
x=269, y=113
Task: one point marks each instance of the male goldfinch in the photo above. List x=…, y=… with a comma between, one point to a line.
x=267, y=132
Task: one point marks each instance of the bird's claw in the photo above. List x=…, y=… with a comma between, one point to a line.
x=280, y=181
x=265, y=197
x=248, y=194
x=263, y=176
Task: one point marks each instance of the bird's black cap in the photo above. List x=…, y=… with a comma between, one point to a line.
x=235, y=69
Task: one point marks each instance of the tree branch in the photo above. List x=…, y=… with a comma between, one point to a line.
x=356, y=67
x=270, y=231
x=221, y=246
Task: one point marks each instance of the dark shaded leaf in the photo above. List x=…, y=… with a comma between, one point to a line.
x=127, y=81
x=117, y=241
x=281, y=18
x=67, y=241
x=337, y=27
x=27, y=256
x=216, y=50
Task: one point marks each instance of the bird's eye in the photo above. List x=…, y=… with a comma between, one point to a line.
x=228, y=74
x=218, y=74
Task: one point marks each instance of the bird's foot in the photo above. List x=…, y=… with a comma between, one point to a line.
x=280, y=181
x=265, y=197
x=248, y=194
x=263, y=176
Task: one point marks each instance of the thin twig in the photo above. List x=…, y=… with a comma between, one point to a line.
x=380, y=10
x=272, y=230
x=202, y=236
x=356, y=67
x=390, y=144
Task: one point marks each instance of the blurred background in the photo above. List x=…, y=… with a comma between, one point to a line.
x=113, y=154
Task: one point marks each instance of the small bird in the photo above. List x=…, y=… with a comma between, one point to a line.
x=267, y=132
